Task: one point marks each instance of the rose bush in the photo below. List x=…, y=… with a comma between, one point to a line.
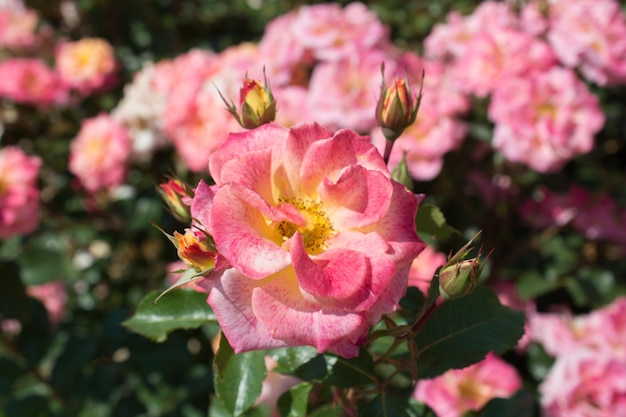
x=320, y=237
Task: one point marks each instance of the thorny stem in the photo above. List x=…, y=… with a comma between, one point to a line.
x=415, y=328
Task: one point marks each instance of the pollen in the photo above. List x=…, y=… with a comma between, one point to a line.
x=318, y=227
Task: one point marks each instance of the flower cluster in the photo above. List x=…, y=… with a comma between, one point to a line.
x=588, y=375
x=19, y=195
x=80, y=68
x=544, y=115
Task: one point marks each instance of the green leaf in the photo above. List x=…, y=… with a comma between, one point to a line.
x=532, y=284
x=461, y=332
x=181, y=309
x=328, y=410
x=294, y=402
x=190, y=275
x=40, y=266
x=431, y=221
x=353, y=372
x=290, y=359
x=239, y=378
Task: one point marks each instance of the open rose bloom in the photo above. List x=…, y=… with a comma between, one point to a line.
x=320, y=238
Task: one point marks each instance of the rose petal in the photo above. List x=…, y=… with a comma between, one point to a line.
x=296, y=321
x=231, y=301
x=338, y=277
x=268, y=136
x=358, y=198
x=245, y=239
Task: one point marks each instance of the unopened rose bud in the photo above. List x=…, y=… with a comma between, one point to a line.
x=174, y=192
x=257, y=104
x=396, y=108
x=196, y=249
x=459, y=280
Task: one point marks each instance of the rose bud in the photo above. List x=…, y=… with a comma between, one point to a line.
x=174, y=192
x=459, y=280
x=396, y=108
x=257, y=104
x=196, y=249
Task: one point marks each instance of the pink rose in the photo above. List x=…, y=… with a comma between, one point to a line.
x=585, y=384
x=469, y=389
x=100, y=152
x=424, y=266
x=591, y=35
x=18, y=26
x=544, y=118
x=87, y=65
x=19, y=196
x=495, y=54
x=53, y=296
x=331, y=32
x=30, y=81
x=342, y=94
x=319, y=236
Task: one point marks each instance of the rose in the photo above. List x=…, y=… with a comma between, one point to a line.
x=320, y=237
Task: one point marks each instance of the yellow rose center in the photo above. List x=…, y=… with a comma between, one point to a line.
x=318, y=226
x=470, y=390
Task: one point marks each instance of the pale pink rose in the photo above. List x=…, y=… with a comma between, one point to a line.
x=53, y=296
x=424, y=267
x=18, y=26
x=561, y=333
x=141, y=110
x=495, y=54
x=196, y=119
x=450, y=39
x=590, y=35
x=87, y=65
x=99, y=153
x=532, y=19
x=284, y=56
x=585, y=384
x=19, y=195
x=342, y=94
x=31, y=81
x=320, y=238
x=332, y=33
x=602, y=330
x=292, y=105
x=186, y=71
x=274, y=385
x=469, y=389
x=545, y=118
